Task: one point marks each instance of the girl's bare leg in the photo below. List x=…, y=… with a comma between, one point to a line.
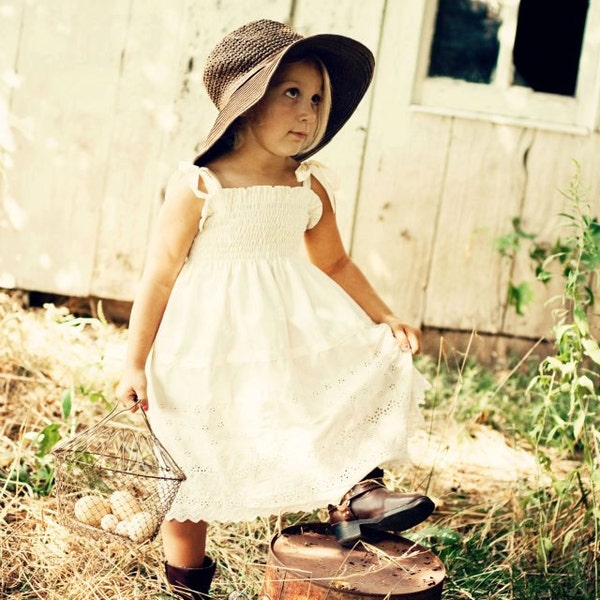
x=184, y=543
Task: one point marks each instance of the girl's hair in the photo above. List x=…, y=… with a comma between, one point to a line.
x=324, y=104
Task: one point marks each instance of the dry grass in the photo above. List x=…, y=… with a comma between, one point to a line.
x=46, y=352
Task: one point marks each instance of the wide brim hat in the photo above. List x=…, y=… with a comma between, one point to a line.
x=239, y=69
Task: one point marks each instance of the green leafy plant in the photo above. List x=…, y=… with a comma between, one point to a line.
x=32, y=470
x=563, y=395
x=577, y=255
x=518, y=295
x=567, y=381
x=33, y=473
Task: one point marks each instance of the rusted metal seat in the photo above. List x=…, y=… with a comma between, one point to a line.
x=306, y=563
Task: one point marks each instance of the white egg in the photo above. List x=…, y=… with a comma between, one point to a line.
x=91, y=509
x=141, y=526
x=109, y=522
x=124, y=504
x=122, y=528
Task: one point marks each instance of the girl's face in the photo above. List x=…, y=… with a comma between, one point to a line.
x=286, y=118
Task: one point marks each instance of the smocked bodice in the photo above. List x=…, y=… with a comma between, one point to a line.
x=255, y=223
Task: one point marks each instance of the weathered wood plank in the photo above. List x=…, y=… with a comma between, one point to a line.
x=11, y=14
x=69, y=72
x=11, y=216
x=396, y=221
x=143, y=117
x=483, y=188
x=591, y=175
x=550, y=170
x=403, y=172
x=361, y=21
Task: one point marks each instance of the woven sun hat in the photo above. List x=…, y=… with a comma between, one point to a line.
x=240, y=67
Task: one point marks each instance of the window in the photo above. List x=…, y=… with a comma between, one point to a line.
x=547, y=45
x=465, y=41
x=534, y=61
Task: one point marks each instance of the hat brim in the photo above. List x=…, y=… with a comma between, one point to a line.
x=350, y=66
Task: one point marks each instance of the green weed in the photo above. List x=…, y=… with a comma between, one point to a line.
x=554, y=406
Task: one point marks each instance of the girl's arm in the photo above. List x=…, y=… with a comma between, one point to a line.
x=326, y=251
x=174, y=231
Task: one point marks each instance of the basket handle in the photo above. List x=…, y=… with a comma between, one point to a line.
x=168, y=461
x=143, y=413
x=116, y=411
x=174, y=465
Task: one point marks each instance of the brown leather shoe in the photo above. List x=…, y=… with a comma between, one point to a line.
x=371, y=505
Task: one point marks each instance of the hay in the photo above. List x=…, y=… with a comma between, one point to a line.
x=45, y=354
x=49, y=357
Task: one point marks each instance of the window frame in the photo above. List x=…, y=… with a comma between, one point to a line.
x=500, y=101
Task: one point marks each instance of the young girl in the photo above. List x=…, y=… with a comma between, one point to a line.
x=277, y=378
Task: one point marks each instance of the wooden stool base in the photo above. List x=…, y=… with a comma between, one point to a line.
x=307, y=563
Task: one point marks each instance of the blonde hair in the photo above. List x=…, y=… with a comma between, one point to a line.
x=324, y=104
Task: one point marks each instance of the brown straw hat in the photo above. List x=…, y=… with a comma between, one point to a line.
x=241, y=65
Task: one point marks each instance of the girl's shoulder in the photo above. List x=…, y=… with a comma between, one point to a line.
x=323, y=180
x=187, y=179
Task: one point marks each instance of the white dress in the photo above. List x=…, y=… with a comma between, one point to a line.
x=270, y=387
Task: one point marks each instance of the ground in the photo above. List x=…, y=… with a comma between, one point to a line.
x=52, y=363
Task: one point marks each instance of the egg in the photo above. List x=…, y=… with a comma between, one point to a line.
x=122, y=528
x=124, y=504
x=109, y=522
x=141, y=526
x=91, y=509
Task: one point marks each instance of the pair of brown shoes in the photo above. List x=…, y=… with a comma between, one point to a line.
x=369, y=505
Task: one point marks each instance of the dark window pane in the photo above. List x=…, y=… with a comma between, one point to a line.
x=548, y=44
x=465, y=44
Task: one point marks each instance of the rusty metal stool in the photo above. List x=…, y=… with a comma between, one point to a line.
x=307, y=563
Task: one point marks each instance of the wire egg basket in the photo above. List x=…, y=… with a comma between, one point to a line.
x=114, y=481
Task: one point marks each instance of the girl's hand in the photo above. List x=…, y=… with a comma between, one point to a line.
x=131, y=390
x=408, y=337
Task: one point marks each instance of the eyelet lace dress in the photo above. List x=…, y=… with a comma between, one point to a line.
x=270, y=387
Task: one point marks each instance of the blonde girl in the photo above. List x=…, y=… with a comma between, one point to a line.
x=275, y=375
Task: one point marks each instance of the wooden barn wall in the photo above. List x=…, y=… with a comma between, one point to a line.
x=101, y=99
x=437, y=191
x=105, y=98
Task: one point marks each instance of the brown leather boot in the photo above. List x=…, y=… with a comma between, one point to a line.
x=370, y=505
x=192, y=584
